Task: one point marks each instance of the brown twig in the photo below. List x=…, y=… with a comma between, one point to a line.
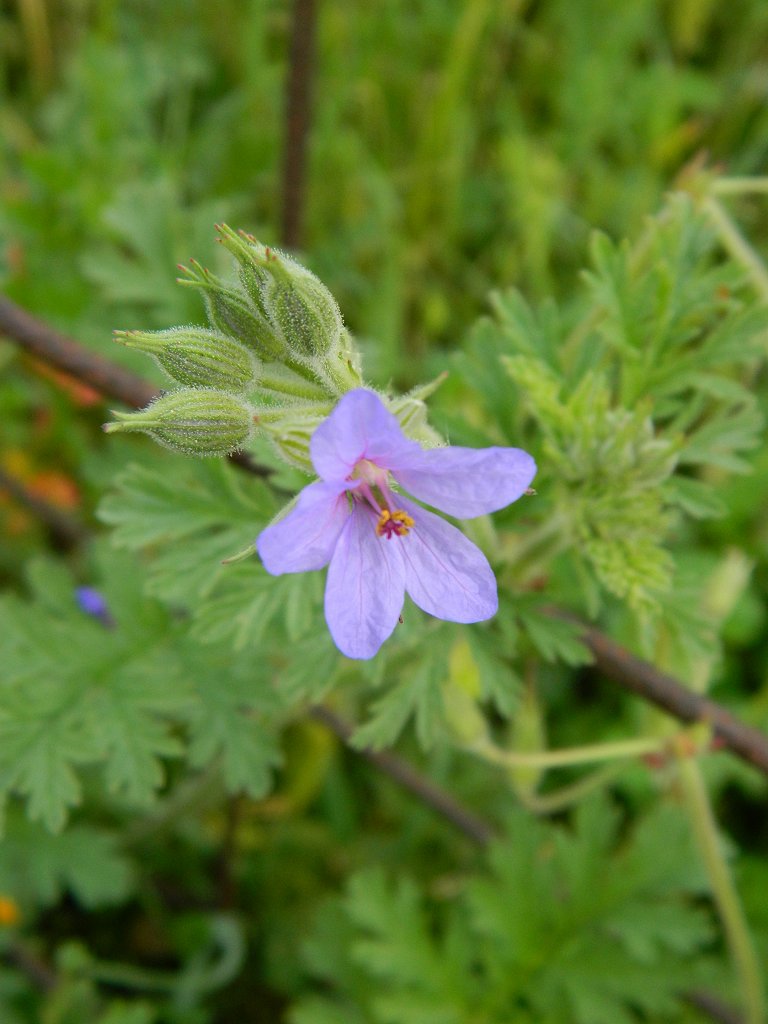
x=106, y=377
x=226, y=880
x=713, y=1007
x=43, y=341
x=405, y=774
x=642, y=678
x=297, y=116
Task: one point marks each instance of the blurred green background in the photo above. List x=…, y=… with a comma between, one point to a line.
x=455, y=147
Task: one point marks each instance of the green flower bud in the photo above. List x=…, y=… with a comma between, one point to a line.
x=411, y=411
x=412, y=416
x=231, y=312
x=196, y=357
x=302, y=308
x=290, y=439
x=197, y=421
x=252, y=258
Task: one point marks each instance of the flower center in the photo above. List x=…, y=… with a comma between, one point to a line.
x=393, y=524
x=369, y=472
x=375, y=489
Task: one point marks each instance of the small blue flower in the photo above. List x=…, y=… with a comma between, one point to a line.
x=93, y=603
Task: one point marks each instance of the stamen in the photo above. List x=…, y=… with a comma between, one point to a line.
x=394, y=524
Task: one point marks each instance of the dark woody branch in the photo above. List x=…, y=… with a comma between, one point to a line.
x=297, y=120
x=53, y=348
x=639, y=676
x=110, y=379
x=478, y=830
x=65, y=531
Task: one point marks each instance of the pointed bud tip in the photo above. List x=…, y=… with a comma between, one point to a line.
x=241, y=556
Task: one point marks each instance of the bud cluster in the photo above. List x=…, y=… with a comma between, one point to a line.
x=275, y=358
x=281, y=311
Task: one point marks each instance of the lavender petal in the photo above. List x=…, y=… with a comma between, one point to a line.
x=466, y=482
x=446, y=574
x=365, y=589
x=360, y=427
x=305, y=538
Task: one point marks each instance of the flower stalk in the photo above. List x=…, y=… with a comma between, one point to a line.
x=569, y=756
x=724, y=891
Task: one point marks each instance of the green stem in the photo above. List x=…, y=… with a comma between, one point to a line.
x=266, y=416
x=301, y=387
x=306, y=372
x=723, y=890
x=128, y=976
x=569, y=755
x=740, y=186
x=559, y=799
x=339, y=374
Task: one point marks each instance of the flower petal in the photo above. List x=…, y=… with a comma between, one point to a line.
x=360, y=427
x=446, y=574
x=365, y=589
x=466, y=482
x=305, y=538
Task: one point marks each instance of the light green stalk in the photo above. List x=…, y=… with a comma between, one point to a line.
x=569, y=756
x=723, y=890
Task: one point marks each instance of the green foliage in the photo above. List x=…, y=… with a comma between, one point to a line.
x=78, y=693
x=563, y=924
x=107, y=704
x=457, y=148
x=635, y=403
x=84, y=861
x=204, y=508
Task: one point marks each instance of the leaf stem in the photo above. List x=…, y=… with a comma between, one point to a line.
x=740, y=186
x=565, y=796
x=568, y=756
x=723, y=890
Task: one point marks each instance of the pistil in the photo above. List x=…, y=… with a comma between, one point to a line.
x=394, y=524
x=392, y=521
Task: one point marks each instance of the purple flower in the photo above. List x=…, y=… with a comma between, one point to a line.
x=377, y=544
x=93, y=603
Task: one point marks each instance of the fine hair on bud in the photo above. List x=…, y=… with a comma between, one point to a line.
x=197, y=357
x=198, y=421
x=290, y=438
x=231, y=312
x=303, y=309
x=251, y=257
